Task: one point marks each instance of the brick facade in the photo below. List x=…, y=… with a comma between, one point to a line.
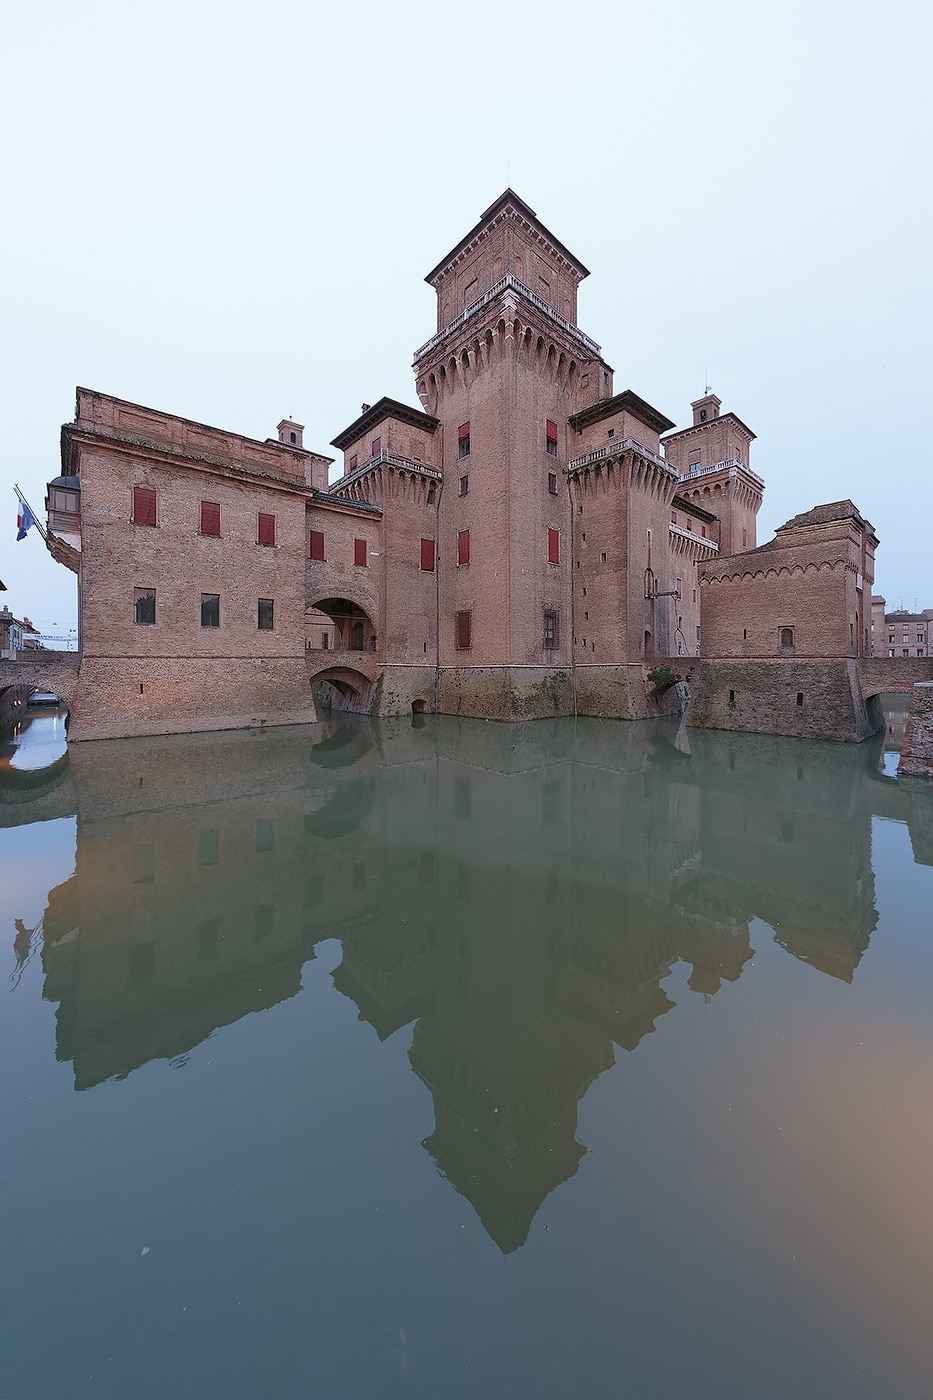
x=527, y=542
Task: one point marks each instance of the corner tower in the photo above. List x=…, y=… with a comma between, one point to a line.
x=711, y=458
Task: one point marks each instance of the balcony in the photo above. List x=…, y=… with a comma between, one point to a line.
x=496, y=290
x=614, y=449
x=688, y=535
x=407, y=464
x=732, y=465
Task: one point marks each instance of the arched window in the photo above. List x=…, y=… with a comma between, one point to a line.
x=787, y=638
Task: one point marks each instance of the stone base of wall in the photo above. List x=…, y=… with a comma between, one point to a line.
x=917, y=748
x=804, y=699
x=506, y=693
x=118, y=698
x=404, y=689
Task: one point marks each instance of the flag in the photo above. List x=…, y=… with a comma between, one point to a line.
x=24, y=521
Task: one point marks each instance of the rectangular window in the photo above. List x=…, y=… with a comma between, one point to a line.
x=144, y=603
x=553, y=546
x=673, y=517
x=375, y=447
x=266, y=528
x=353, y=463
x=550, y=629
x=266, y=615
x=552, y=483
x=208, y=848
x=144, y=506
x=464, y=630
x=317, y=544
x=210, y=609
x=427, y=555
x=744, y=538
x=703, y=531
x=680, y=589
x=210, y=518
x=464, y=486
x=463, y=440
x=551, y=438
x=359, y=553
x=463, y=547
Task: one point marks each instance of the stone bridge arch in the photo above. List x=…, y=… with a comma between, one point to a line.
x=336, y=687
x=893, y=675
x=56, y=671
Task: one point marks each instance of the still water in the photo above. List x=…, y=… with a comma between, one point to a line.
x=447, y=1059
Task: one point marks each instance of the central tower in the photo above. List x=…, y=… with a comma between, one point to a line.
x=505, y=371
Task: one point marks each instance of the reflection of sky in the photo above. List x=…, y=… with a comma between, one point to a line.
x=36, y=742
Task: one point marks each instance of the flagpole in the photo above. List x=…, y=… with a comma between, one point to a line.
x=24, y=502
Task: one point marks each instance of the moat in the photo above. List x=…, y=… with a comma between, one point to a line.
x=440, y=1058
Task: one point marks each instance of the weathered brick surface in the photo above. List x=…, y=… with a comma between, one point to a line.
x=917, y=749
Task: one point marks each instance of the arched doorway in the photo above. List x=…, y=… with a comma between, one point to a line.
x=337, y=688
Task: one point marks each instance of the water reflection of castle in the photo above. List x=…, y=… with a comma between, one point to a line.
x=519, y=900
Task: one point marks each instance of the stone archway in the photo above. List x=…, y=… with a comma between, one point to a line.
x=341, y=688
x=339, y=625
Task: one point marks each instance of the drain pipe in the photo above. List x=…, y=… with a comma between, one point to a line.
x=573, y=595
x=437, y=582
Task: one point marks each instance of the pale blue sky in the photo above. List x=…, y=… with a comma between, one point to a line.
x=226, y=211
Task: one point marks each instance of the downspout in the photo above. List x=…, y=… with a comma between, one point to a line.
x=573, y=594
x=437, y=582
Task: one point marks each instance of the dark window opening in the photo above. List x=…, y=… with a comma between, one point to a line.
x=464, y=485
x=551, y=438
x=432, y=492
x=799, y=697
x=210, y=609
x=293, y=437
x=463, y=440
x=266, y=615
x=552, y=483
x=787, y=638
x=144, y=603
x=731, y=697
x=550, y=629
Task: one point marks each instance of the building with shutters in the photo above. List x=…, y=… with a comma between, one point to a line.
x=526, y=541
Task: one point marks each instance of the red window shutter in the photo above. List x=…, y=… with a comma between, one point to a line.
x=464, y=630
x=553, y=546
x=352, y=464
x=463, y=546
x=317, y=544
x=551, y=431
x=144, y=505
x=210, y=518
x=359, y=553
x=427, y=554
x=463, y=432
x=266, y=528
x=376, y=447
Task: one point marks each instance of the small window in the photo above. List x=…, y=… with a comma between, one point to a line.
x=375, y=447
x=787, y=638
x=266, y=615
x=432, y=493
x=143, y=865
x=464, y=486
x=553, y=546
x=463, y=440
x=680, y=589
x=353, y=463
x=293, y=437
x=266, y=529
x=550, y=629
x=208, y=848
x=144, y=604
x=702, y=415
x=602, y=557
x=551, y=438
x=552, y=483
x=464, y=630
x=799, y=697
x=673, y=517
x=144, y=506
x=427, y=555
x=744, y=538
x=463, y=546
x=317, y=544
x=210, y=609
x=210, y=518
x=360, y=557
x=325, y=641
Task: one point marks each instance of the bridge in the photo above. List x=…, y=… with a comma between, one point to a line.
x=56, y=671
x=891, y=675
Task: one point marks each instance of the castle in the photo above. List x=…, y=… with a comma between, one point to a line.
x=526, y=542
